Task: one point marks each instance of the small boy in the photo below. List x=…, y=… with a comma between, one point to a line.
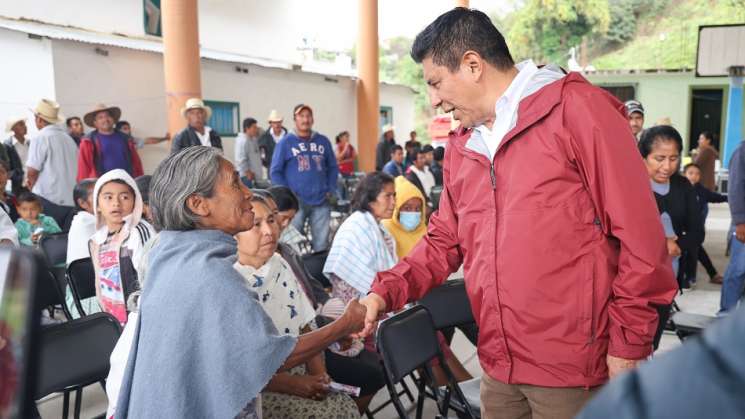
x=32, y=223
x=117, y=246
x=703, y=195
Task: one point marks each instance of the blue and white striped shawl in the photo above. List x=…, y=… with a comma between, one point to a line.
x=361, y=248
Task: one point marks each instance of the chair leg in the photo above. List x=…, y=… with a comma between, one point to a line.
x=406, y=390
x=78, y=402
x=65, y=404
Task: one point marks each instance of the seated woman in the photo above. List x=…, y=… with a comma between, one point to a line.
x=348, y=363
x=303, y=391
x=200, y=330
x=407, y=225
x=287, y=206
x=363, y=247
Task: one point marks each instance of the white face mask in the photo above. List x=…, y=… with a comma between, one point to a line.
x=410, y=219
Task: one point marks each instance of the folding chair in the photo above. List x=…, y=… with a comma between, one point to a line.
x=75, y=354
x=51, y=293
x=434, y=197
x=450, y=307
x=689, y=324
x=406, y=342
x=54, y=247
x=81, y=278
x=314, y=263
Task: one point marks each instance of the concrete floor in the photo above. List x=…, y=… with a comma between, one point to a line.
x=702, y=299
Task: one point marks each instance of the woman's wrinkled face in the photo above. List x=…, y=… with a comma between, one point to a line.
x=662, y=162
x=383, y=206
x=260, y=241
x=229, y=208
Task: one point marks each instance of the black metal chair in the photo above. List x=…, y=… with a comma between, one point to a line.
x=314, y=263
x=75, y=354
x=81, y=278
x=54, y=247
x=406, y=342
x=434, y=197
x=450, y=307
x=689, y=324
x=50, y=294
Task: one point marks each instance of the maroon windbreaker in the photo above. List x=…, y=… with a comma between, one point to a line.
x=560, y=237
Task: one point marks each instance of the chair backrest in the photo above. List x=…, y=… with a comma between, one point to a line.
x=75, y=353
x=314, y=263
x=449, y=305
x=62, y=214
x=54, y=247
x=81, y=277
x=434, y=196
x=49, y=293
x=406, y=341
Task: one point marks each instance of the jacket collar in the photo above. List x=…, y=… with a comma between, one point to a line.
x=531, y=110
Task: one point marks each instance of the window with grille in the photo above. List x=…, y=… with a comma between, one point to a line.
x=225, y=119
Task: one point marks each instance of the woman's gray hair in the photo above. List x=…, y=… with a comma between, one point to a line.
x=191, y=171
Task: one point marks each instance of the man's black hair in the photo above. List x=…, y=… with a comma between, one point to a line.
x=453, y=33
x=247, y=123
x=395, y=148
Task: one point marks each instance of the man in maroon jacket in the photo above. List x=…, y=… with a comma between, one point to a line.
x=552, y=216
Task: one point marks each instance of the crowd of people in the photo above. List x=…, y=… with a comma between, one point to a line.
x=570, y=250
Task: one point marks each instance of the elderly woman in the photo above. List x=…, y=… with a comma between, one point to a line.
x=303, y=391
x=203, y=346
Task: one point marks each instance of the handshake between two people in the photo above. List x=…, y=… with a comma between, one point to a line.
x=361, y=316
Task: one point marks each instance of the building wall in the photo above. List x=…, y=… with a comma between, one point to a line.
x=236, y=26
x=667, y=95
x=133, y=80
x=25, y=77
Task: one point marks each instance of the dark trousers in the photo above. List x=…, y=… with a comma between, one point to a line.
x=364, y=371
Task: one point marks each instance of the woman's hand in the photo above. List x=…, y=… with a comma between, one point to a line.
x=313, y=387
x=672, y=247
x=354, y=317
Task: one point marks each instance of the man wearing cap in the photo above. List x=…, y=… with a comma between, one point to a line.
x=15, y=151
x=52, y=156
x=305, y=162
x=385, y=147
x=635, y=113
x=271, y=137
x=196, y=132
x=105, y=148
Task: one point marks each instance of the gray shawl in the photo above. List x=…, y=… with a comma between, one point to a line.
x=203, y=346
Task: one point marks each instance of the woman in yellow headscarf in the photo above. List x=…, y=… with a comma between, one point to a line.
x=408, y=224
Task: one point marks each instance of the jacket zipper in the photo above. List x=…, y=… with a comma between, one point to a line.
x=493, y=180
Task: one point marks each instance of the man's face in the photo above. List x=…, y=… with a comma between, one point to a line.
x=398, y=156
x=252, y=131
x=636, y=121
x=195, y=118
x=103, y=121
x=421, y=161
x=276, y=127
x=76, y=127
x=458, y=92
x=19, y=129
x=412, y=136
x=3, y=177
x=388, y=135
x=304, y=121
x=429, y=157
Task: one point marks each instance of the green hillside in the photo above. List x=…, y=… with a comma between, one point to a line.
x=668, y=38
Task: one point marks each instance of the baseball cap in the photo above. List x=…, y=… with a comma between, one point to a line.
x=300, y=107
x=634, y=106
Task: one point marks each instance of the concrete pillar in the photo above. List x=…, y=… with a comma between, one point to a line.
x=733, y=125
x=368, y=85
x=181, y=64
x=462, y=3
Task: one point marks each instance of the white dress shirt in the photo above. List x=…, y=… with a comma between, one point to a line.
x=7, y=229
x=204, y=138
x=506, y=107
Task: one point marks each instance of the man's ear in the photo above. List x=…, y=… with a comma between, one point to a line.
x=198, y=205
x=473, y=64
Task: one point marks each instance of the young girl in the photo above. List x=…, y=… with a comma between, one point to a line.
x=116, y=247
x=32, y=223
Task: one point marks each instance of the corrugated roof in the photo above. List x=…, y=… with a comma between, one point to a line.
x=153, y=44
